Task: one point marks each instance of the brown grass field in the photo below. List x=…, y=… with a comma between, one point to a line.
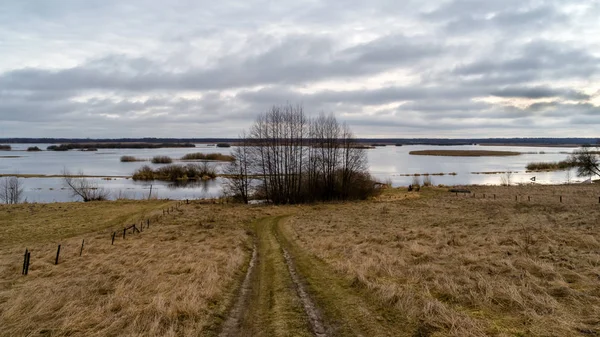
x=427, y=263
x=464, y=153
x=463, y=266
x=172, y=279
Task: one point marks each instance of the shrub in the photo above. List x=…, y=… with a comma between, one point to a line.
x=207, y=156
x=5, y=147
x=62, y=147
x=127, y=159
x=427, y=181
x=551, y=166
x=143, y=173
x=176, y=172
x=223, y=145
x=161, y=160
x=33, y=148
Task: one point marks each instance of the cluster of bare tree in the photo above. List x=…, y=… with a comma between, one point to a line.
x=288, y=158
x=587, y=161
x=11, y=190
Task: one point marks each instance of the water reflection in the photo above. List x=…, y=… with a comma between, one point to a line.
x=202, y=185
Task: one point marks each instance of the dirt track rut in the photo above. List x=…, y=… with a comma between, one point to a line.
x=272, y=300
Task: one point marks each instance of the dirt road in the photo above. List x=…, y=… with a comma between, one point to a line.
x=288, y=292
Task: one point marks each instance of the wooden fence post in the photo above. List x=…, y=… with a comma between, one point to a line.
x=148, y=223
x=141, y=226
x=561, y=198
x=23, y=272
x=113, y=238
x=57, y=254
x=81, y=251
x=516, y=198
x=124, y=231
x=494, y=197
x=28, y=261
x=528, y=198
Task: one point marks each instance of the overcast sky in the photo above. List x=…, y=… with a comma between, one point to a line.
x=389, y=68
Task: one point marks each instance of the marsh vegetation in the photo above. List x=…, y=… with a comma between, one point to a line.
x=207, y=156
x=174, y=172
x=161, y=160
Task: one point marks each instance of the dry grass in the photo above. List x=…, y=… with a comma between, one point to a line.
x=207, y=156
x=463, y=266
x=173, y=279
x=128, y=159
x=422, y=264
x=464, y=153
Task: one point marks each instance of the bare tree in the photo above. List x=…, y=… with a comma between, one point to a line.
x=294, y=159
x=83, y=187
x=11, y=190
x=506, y=178
x=587, y=162
x=237, y=172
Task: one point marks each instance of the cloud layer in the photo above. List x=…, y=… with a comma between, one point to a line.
x=454, y=68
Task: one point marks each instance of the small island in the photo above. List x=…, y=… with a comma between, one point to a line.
x=464, y=153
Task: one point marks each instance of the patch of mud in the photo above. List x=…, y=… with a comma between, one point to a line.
x=316, y=323
x=232, y=324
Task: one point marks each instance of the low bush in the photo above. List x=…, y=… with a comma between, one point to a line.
x=207, y=156
x=551, y=166
x=161, y=160
x=176, y=172
x=127, y=159
x=33, y=149
x=62, y=147
x=223, y=145
x=5, y=147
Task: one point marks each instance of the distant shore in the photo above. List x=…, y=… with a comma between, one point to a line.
x=463, y=153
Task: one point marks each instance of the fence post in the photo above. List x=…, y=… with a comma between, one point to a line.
x=148, y=223
x=124, y=231
x=516, y=198
x=113, y=238
x=494, y=197
x=81, y=251
x=561, y=198
x=28, y=261
x=484, y=195
x=141, y=226
x=57, y=254
x=528, y=198
x=25, y=262
x=187, y=202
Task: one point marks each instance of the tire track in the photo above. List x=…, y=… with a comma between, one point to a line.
x=232, y=324
x=314, y=317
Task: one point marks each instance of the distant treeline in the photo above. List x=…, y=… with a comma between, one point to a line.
x=371, y=141
x=87, y=146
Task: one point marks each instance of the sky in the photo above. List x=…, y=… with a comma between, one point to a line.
x=388, y=68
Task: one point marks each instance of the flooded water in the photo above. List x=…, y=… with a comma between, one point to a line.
x=388, y=163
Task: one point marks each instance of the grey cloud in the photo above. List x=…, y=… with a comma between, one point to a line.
x=296, y=59
x=515, y=20
x=119, y=65
x=540, y=92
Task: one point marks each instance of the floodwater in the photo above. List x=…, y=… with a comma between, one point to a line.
x=389, y=163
